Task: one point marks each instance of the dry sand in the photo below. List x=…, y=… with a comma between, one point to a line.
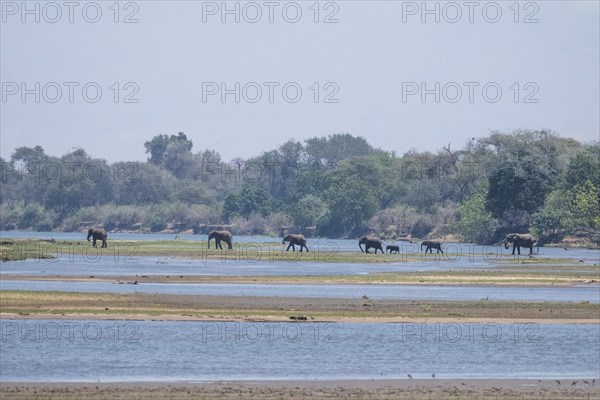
x=419, y=389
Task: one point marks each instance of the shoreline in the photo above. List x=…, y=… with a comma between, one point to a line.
x=370, y=389
x=439, y=278
x=345, y=320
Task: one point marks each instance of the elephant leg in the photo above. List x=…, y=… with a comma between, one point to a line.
x=94, y=242
x=306, y=247
x=516, y=247
x=229, y=246
x=218, y=244
x=104, y=243
x=288, y=248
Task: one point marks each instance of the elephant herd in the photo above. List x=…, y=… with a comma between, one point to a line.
x=374, y=242
x=293, y=240
x=225, y=236
x=518, y=240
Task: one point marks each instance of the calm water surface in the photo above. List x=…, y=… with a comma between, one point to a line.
x=373, y=291
x=65, y=350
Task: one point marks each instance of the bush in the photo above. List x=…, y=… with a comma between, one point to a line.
x=475, y=223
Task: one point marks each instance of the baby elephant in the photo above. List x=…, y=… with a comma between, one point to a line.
x=432, y=244
x=392, y=249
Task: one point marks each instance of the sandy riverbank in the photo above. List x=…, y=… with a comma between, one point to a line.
x=141, y=306
x=419, y=389
x=452, y=278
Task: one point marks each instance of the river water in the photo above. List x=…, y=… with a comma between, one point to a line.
x=69, y=350
x=94, y=350
x=373, y=291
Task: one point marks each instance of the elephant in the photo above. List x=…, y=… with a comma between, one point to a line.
x=97, y=234
x=370, y=241
x=519, y=240
x=392, y=249
x=432, y=244
x=300, y=240
x=218, y=236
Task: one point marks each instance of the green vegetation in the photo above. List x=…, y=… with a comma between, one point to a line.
x=335, y=186
x=18, y=250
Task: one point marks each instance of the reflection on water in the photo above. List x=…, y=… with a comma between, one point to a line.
x=68, y=350
x=410, y=292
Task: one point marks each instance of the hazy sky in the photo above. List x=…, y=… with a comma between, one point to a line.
x=375, y=69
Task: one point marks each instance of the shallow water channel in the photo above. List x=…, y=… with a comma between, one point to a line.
x=373, y=291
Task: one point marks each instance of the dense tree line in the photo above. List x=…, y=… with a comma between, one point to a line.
x=340, y=185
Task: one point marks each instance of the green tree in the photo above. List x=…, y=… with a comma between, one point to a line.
x=574, y=207
x=173, y=153
x=250, y=200
x=79, y=181
x=307, y=211
x=474, y=223
x=337, y=147
x=523, y=170
x=586, y=206
x=584, y=168
x=350, y=203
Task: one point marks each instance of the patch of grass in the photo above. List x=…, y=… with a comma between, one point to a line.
x=19, y=250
